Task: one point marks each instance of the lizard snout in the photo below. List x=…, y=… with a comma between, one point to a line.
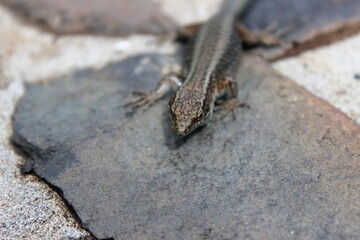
x=182, y=128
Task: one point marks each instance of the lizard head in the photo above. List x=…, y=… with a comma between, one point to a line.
x=189, y=110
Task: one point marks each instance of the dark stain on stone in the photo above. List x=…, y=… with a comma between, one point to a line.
x=206, y=234
x=357, y=76
x=130, y=177
x=50, y=161
x=37, y=160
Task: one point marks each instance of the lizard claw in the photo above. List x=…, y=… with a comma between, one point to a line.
x=230, y=106
x=146, y=99
x=140, y=93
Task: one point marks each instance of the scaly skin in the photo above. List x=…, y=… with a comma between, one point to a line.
x=208, y=71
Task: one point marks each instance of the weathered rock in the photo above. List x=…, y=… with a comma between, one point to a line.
x=110, y=17
x=313, y=23
x=287, y=168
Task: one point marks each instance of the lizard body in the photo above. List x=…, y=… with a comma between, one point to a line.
x=208, y=72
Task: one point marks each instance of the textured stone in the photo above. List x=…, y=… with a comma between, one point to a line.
x=287, y=168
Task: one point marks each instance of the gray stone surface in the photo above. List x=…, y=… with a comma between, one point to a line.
x=287, y=168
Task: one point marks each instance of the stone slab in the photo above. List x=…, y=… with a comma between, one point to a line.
x=314, y=23
x=287, y=168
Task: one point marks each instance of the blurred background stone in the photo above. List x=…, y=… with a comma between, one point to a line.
x=313, y=22
x=112, y=17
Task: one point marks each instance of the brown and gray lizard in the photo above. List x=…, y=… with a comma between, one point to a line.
x=208, y=71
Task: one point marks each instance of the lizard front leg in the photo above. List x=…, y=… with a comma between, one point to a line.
x=146, y=99
x=227, y=85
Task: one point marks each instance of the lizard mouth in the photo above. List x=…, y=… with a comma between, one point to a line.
x=183, y=127
x=182, y=130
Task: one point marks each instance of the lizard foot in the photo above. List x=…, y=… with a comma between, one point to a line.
x=145, y=99
x=230, y=106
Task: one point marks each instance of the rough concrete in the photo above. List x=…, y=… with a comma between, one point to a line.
x=287, y=168
x=329, y=73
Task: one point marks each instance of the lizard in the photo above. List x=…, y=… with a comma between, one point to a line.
x=208, y=71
